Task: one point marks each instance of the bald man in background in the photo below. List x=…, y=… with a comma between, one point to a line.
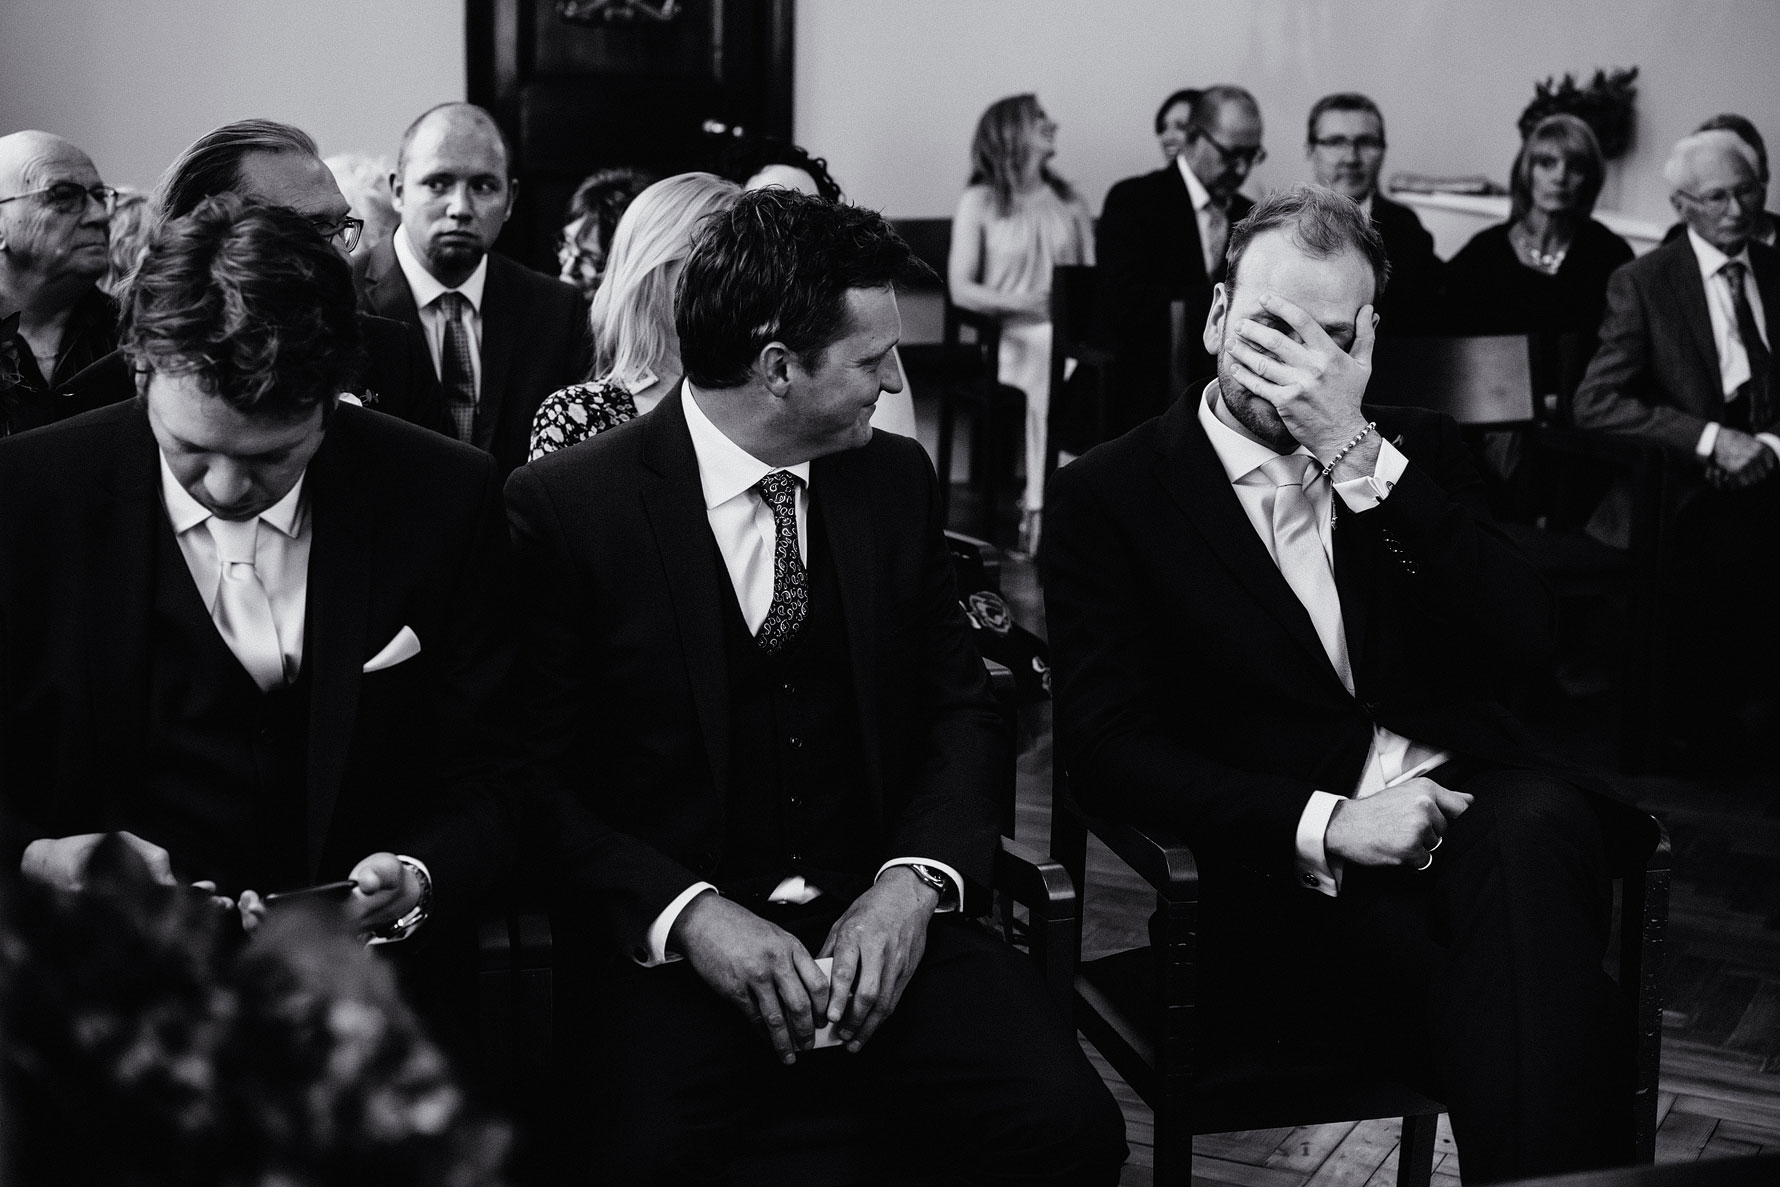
x=1686, y=363
x=502, y=336
x=55, y=214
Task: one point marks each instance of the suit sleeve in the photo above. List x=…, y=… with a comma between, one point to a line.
x=625, y=879
x=1620, y=393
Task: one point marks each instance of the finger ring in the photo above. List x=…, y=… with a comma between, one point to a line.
x=1424, y=865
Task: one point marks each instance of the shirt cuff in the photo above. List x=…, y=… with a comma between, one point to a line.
x=947, y=902
x=1363, y=494
x=1708, y=440
x=653, y=950
x=1315, y=870
x=1771, y=441
x=407, y=925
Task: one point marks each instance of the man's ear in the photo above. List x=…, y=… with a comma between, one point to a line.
x=1213, y=337
x=512, y=197
x=775, y=362
x=395, y=191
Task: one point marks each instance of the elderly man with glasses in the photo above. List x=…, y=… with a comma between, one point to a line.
x=54, y=218
x=1161, y=239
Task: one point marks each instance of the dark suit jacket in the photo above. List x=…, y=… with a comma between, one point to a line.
x=396, y=376
x=622, y=587
x=1149, y=255
x=534, y=342
x=1410, y=304
x=407, y=531
x=1655, y=374
x=1191, y=688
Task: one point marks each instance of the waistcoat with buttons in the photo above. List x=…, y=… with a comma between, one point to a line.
x=797, y=801
x=223, y=787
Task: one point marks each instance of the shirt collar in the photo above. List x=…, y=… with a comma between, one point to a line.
x=1711, y=259
x=187, y=513
x=725, y=469
x=1197, y=194
x=425, y=287
x=1239, y=454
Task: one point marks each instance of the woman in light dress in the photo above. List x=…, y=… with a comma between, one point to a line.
x=1017, y=220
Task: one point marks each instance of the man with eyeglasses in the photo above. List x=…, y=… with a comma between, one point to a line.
x=1345, y=143
x=501, y=336
x=1686, y=363
x=280, y=164
x=1767, y=223
x=54, y=220
x=1161, y=239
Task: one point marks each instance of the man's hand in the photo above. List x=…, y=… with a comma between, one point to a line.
x=1312, y=383
x=1739, y=459
x=758, y=965
x=876, y=946
x=1399, y=826
x=61, y=862
x=386, y=891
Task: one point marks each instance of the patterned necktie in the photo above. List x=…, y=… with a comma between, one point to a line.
x=1217, y=238
x=457, y=373
x=243, y=612
x=1758, y=390
x=791, y=583
x=1298, y=550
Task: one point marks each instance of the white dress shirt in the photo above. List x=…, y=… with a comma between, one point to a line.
x=1392, y=758
x=742, y=524
x=1721, y=305
x=427, y=291
x=280, y=557
x=1200, y=197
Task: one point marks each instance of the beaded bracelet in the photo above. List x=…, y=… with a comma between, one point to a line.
x=1348, y=448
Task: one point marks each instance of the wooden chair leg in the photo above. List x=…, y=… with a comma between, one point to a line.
x=987, y=450
x=1415, y=1157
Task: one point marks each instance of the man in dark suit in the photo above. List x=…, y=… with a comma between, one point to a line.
x=502, y=337
x=279, y=164
x=1345, y=143
x=1767, y=223
x=1161, y=239
x=1686, y=363
x=1275, y=618
x=254, y=630
x=748, y=659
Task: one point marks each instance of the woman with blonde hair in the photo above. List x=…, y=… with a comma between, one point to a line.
x=1016, y=221
x=636, y=353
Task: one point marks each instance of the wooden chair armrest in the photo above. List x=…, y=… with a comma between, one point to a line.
x=1034, y=881
x=1158, y=857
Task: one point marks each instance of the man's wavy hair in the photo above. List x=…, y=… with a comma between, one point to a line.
x=252, y=301
x=776, y=267
x=1320, y=221
x=211, y=164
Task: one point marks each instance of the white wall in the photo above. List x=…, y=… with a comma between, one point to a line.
x=890, y=90
x=135, y=81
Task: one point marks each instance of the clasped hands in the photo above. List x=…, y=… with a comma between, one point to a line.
x=769, y=975
x=1312, y=382
x=386, y=890
x=1739, y=459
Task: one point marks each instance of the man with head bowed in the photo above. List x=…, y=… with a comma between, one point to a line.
x=1278, y=618
x=746, y=656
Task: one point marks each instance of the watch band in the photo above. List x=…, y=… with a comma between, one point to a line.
x=401, y=929
x=932, y=877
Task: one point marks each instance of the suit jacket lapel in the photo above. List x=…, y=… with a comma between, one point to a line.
x=1191, y=254
x=1195, y=479
x=390, y=295
x=1690, y=292
x=839, y=483
x=1766, y=267
x=674, y=502
x=501, y=321
x=341, y=561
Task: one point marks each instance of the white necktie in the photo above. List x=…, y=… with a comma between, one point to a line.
x=1298, y=550
x=243, y=612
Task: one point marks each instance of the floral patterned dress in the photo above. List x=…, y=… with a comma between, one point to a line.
x=574, y=414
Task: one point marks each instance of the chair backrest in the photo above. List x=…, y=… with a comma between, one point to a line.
x=1481, y=381
x=1072, y=304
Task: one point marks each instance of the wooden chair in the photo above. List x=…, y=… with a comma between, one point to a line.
x=1072, y=321
x=1138, y=1009
x=993, y=405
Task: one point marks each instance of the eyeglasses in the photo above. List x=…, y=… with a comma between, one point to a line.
x=69, y=197
x=1747, y=196
x=1343, y=144
x=1249, y=157
x=345, y=232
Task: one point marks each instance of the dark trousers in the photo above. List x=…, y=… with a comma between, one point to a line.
x=974, y=1077
x=1478, y=981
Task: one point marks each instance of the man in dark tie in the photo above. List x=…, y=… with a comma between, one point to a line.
x=502, y=336
x=1161, y=239
x=1686, y=363
x=253, y=628
x=747, y=657
x=1277, y=619
x=1345, y=143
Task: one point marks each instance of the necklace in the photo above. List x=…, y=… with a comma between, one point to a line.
x=1547, y=262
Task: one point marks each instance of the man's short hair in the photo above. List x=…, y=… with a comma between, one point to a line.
x=1213, y=100
x=1187, y=95
x=1572, y=136
x=1678, y=170
x=1320, y=221
x=211, y=164
x=413, y=130
x=1744, y=129
x=776, y=267
x=250, y=300
x=1342, y=101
